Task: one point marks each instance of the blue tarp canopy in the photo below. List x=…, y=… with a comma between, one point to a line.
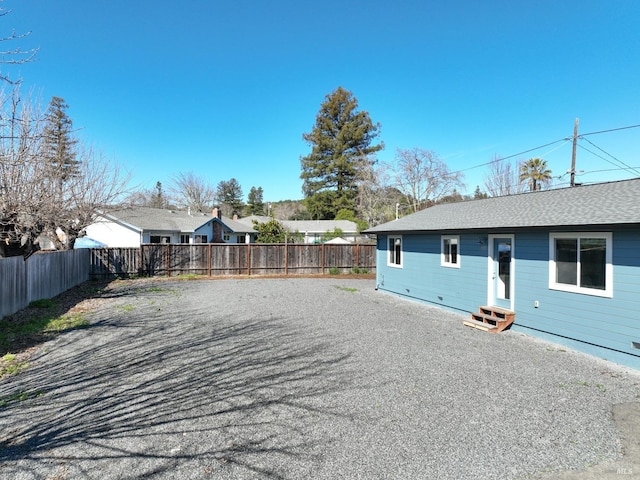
x=86, y=242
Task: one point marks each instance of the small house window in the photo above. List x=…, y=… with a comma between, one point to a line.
x=581, y=263
x=201, y=239
x=395, y=252
x=184, y=238
x=449, y=253
x=159, y=239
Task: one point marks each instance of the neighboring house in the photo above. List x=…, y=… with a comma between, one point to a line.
x=566, y=261
x=131, y=227
x=312, y=231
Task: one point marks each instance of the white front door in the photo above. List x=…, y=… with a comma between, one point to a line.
x=501, y=271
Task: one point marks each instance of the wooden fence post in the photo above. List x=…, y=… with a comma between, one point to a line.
x=286, y=256
x=168, y=259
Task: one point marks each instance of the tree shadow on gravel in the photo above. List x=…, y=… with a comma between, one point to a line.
x=169, y=391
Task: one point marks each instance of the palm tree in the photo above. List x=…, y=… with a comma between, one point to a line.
x=535, y=172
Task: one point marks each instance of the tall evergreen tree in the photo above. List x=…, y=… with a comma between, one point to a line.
x=255, y=202
x=229, y=195
x=479, y=194
x=60, y=144
x=158, y=198
x=340, y=140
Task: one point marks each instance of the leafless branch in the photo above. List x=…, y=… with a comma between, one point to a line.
x=37, y=199
x=422, y=177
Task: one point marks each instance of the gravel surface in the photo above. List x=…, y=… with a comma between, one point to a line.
x=294, y=378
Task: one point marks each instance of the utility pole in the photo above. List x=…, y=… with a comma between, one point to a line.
x=573, y=154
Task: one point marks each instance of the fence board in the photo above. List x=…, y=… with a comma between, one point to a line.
x=13, y=282
x=43, y=275
x=232, y=259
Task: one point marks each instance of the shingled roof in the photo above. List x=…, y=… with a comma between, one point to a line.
x=159, y=219
x=309, y=226
x=612, y=203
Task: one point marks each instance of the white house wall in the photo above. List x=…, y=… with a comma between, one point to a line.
x=113, y=234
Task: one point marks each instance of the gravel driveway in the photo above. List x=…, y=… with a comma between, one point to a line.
x=319, y=378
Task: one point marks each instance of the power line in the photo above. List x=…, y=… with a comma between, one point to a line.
x=603, y=170
x=610, y=130
x=620, y=167
x=566, y=139
x=624, y=165
x=511, y=156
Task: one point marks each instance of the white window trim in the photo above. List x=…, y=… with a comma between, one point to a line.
x=389, y=262
x=608, y=280
x=443, y=262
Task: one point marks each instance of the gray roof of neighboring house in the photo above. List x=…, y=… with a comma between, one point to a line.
x=146, y=218
x=598, y=204
x=320, y=226
x=309, y=226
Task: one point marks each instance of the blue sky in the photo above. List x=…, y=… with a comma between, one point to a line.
x=225, y=89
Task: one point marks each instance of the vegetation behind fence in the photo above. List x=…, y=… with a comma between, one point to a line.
x=233, y=259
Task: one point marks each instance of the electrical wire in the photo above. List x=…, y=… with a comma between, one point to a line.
x=499, y=159
x=566, y=139
x=627, y=168
x=621, y=163
x=610, y=130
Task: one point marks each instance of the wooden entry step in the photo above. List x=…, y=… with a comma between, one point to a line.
x=491, y=319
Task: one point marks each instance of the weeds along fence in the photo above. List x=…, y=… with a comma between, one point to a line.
x=43, y=275
x=232, y=259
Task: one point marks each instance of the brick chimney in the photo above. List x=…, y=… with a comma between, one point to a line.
x=217, y=213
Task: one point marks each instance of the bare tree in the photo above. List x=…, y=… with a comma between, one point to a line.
x=502, y=179
x=35, y=203
x=376, y=198
x=422, y=177
x=192, y=191
x=150, y=197
x=16, y=55
x=98, y=187
x=21, y=175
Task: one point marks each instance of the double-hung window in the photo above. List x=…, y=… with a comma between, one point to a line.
x=449, y=252
x=394, y=253
x=581, y=263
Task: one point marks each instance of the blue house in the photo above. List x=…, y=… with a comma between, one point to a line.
x=563, y=264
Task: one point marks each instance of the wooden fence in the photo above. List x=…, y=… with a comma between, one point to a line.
x=43, y=275
x=233, y=259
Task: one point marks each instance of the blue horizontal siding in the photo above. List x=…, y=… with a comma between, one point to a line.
x=596, y=325
x=610, y=323
x=423, y=278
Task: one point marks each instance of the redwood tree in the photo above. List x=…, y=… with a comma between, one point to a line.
x=340, y=139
